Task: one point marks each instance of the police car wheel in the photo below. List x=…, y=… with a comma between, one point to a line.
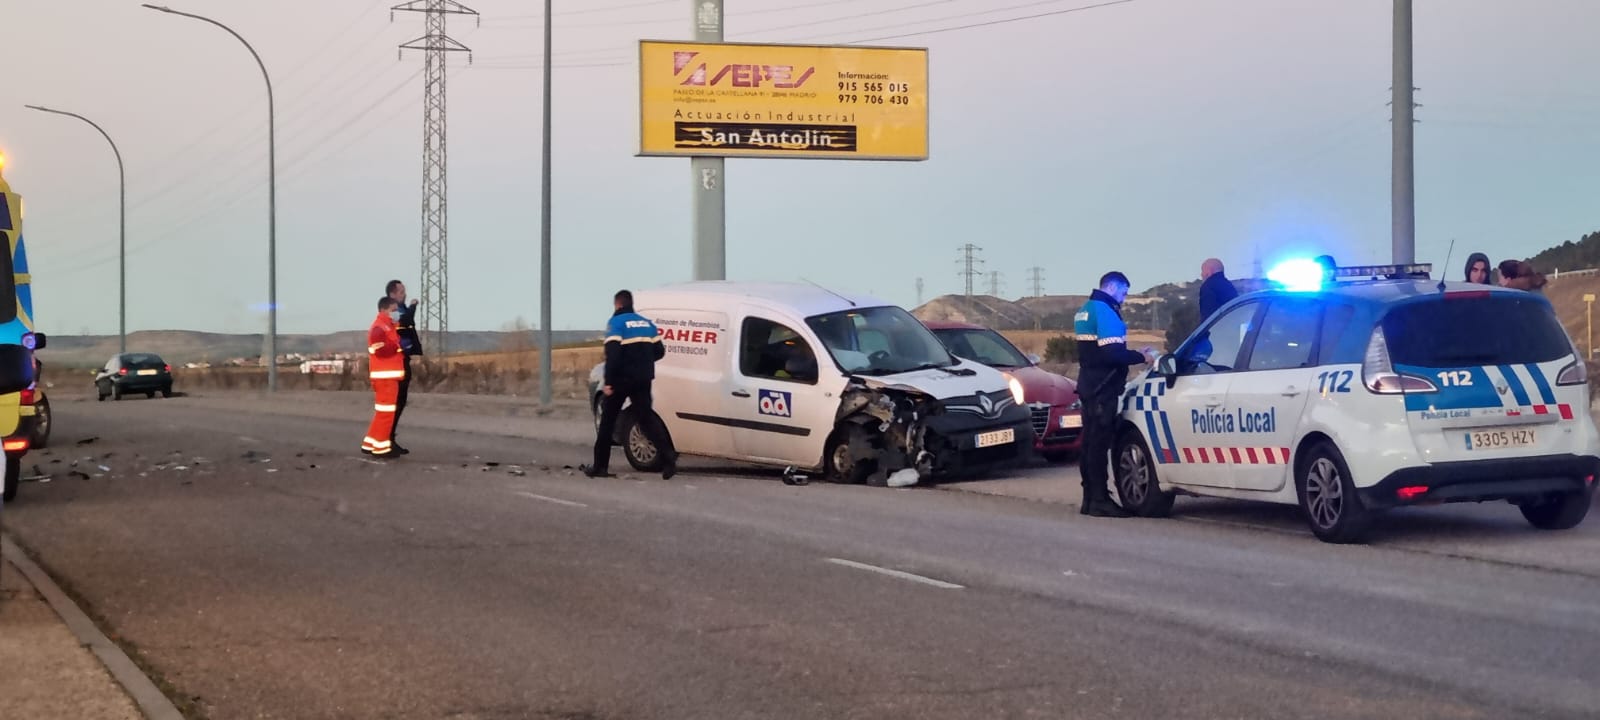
x=1562, y=512
x=1328, y=497
x=1137, y=487
x=640, y=452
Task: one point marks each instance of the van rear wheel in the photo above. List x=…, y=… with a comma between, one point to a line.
x=641, y=453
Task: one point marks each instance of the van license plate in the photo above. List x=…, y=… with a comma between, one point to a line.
x=147, y=372
x=998, y=437
x=1496, y=439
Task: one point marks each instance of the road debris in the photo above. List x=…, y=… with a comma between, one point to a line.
x=89, y=440
x=792, y=476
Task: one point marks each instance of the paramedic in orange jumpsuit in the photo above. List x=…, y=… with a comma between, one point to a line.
x=388, y=368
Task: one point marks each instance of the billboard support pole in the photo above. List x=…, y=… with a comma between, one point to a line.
x=708, y=181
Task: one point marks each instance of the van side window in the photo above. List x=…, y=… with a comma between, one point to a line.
x=1287, y=334
x=775, y=352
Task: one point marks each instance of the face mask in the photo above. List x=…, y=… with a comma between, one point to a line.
x=394, y=315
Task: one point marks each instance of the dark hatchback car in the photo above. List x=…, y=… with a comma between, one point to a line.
x=134, y=373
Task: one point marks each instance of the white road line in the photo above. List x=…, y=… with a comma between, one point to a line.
x=557, y=501
x=896, y=573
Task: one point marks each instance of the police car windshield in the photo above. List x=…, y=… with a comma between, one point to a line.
x=1493, y=330
x=879, y=341
x=983, y=345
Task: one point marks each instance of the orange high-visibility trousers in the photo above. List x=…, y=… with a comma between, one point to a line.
x=379, y=439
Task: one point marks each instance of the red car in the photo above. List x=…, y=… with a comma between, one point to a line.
x=1057, y=411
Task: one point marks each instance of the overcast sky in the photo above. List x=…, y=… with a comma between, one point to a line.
x=1143, y=136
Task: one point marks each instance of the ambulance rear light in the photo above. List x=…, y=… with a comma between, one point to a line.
x=26, y=396
x=1379, y=376
x=16, y=444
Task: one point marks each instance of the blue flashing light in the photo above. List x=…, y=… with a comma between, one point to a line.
x=1300, y=275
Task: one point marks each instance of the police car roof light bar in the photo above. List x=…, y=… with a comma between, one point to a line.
x=1391, y=272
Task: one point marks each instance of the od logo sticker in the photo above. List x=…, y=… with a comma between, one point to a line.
x=775, y=403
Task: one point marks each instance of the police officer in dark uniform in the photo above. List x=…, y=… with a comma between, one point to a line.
x=410, y=344
x=1103, y=361
x=633, y=345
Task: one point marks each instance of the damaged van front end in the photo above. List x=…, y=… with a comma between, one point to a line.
x=897, y=434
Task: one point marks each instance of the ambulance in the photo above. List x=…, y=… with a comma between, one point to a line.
x=796, y=376
x=1361, y=389
x=17, y=341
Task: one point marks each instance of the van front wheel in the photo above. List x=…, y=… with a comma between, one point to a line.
x=841, y=465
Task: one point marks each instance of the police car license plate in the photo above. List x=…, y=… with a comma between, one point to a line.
x=147, y=372
x=1071, y=421
x=1502, y=438
x=998, y=437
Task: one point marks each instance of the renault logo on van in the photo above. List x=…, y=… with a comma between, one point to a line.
x=1502, y=388
x=986, y=405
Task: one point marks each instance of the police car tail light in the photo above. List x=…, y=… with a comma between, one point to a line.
x=1576, y=373
x=1378, y=373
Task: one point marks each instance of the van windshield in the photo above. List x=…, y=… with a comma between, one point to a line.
x=1492, y=330
x=879, y=341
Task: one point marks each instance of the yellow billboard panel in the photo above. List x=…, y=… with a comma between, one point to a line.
x=794, y=101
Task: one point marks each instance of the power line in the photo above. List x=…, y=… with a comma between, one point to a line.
x=874, y=13
x=970, y=26
x=994, y=283
x=289, y=171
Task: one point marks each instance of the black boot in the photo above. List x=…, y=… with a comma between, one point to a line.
x=1108, y=509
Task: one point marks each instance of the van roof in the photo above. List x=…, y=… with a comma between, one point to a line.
x=803, y=299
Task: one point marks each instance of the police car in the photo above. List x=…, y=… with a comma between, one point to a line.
x=1357, y=389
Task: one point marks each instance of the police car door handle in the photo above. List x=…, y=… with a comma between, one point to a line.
x=741, y=394
x=1291, y=391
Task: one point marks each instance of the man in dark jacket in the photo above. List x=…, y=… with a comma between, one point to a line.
x=1215, y=289
x=410, y=345
x=633, y=345
x=1103, y=360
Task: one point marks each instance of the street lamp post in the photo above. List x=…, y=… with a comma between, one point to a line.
x=272, y=203
x=1588, y=321
x=122, y=231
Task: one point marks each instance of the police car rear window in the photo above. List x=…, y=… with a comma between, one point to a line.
x=1453, y=332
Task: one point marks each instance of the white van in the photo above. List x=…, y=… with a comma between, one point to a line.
x=793, y=375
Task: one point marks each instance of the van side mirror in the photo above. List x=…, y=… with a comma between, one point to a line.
x=1167, y=365
x=38, y=341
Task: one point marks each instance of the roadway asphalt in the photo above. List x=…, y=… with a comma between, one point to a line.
x=260, y=567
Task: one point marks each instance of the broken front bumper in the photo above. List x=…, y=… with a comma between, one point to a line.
x=954, y=440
